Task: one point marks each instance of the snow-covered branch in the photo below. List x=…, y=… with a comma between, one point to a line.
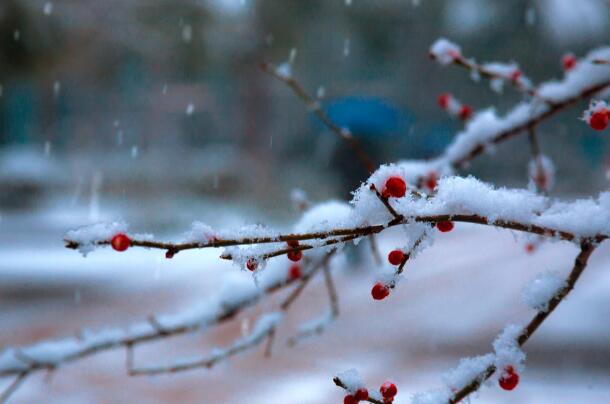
x=486, y=128
x=235, y=295
x=456, y=199
x=527, y=331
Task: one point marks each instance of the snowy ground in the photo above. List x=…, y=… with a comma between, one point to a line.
x=449, y=307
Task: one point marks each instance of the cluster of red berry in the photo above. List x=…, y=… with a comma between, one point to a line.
x=388, y=391
x=450, y=104
x=295, y=256
x=397, y=188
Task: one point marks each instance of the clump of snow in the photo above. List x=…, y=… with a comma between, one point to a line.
x=594, y=106
x=351, y=380
x=471, y=196
x=284, y=70
x=445, y=51
x=468, y=369
x=88, y=236
x=200, y=232
x=299, y=199
x=505, y=70
x=507, y=350
x=542, y=289
x=583, y=75
x=324, y=216
x=583, y=217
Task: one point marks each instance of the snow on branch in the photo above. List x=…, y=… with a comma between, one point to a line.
x=421, y=196
x=446, y=53
x=235, y=295
x=457, y=199
x=486, y=128
x=506, y=347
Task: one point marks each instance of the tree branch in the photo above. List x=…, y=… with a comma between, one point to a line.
x=314, y=106
x=580, y=263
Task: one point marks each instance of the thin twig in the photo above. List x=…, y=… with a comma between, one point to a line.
x=482, y=71
x=537, y=158
x=332, y=291
x=314, y=106
x=6, y=394
x=386, y=203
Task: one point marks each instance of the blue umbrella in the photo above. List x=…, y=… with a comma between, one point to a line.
x=367, y=116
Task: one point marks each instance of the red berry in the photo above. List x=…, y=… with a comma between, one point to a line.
x=443, y=100
x=295, y=256
x=509, y=379
x=465, y=112
x=380, y=291
x=252, y=264
x=388, y=390
x=599, y=119
x=361, y=394
x=529, y=248
x=396, y=256
x=349, y=399
x=453, y=53
x=444, y=226
x=396, y=187
x=294, y=272
x=120, y=242
x=292, y=243
x=568, y=61
x=541, y=179
x=431, y=180
x=515, y=75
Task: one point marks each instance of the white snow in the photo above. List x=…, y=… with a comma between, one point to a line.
x=351, y=379
x=445, y=51
x=507, y=350
x=542, y=289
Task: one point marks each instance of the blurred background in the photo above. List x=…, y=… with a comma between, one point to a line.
x=156, y=112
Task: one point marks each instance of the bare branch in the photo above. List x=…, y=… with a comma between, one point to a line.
x=314, y=106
